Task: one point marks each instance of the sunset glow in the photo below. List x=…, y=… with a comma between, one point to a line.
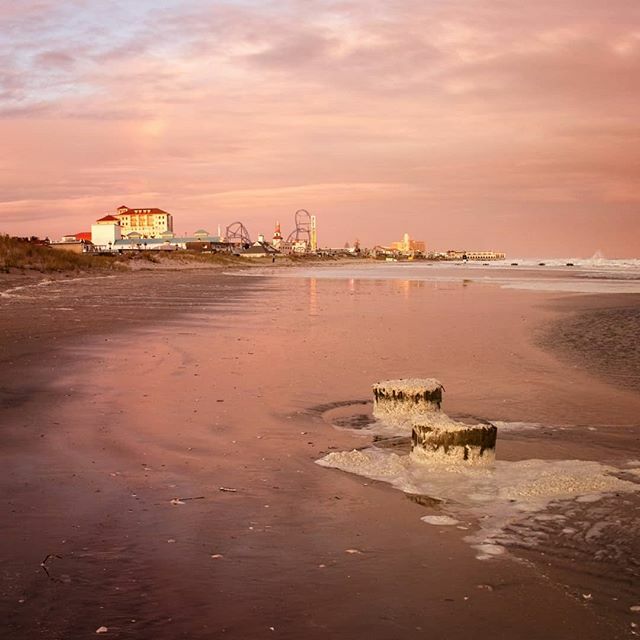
x=504, y=125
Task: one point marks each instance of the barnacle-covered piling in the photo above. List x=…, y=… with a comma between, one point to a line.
x=413, y=404
x=438, y=438
x=406, y=397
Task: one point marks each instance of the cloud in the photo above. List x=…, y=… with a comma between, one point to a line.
x=55, y=60
x=358, y=108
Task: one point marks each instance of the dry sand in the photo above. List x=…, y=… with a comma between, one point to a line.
x=121, y=394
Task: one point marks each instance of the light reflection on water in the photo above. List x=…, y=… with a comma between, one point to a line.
x=592, y=279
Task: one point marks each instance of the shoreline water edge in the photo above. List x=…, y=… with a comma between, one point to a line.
x=175, y=446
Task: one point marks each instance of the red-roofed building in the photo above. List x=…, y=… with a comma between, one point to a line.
x=150, y=223
x=108, y=219
x=83, y=235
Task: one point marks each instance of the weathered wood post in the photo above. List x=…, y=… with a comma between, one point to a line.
x=439, y=439
x=404, y=398
x=415, y=403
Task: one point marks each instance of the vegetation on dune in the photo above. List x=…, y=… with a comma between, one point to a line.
x=20, y=254
x=201, y=258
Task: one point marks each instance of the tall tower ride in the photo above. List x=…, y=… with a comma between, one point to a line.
x=314, y=235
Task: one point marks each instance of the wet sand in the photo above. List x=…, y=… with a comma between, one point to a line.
x=602, y=340
x=121, y=394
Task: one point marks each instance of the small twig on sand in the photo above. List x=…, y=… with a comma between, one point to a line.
x=43, y=564
x=228, y=489
x=183, y=500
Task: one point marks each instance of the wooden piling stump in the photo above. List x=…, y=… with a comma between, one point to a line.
x=406, y=397
x=438, y=438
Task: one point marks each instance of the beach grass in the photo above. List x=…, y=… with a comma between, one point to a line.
x=16, y=253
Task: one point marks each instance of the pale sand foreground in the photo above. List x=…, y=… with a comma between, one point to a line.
x=141, y=404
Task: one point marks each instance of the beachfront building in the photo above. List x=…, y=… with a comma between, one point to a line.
x=300, y=247
x=485, y=255
x=73, y=245
x=339, y=251
x=73, y=237
x=105, y=232
x=474, y=255
x=75, y=242
x=168, y=241
x=260, y=249
x=409, y=246
x=149, y=223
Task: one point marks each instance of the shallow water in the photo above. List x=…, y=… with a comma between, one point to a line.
x=595, y=276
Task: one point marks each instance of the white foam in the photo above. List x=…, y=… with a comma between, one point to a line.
x=504, y=427
x=16, y=292
x=489, y=550
x=497, y=496
x=631, y=265
x=591, y=497
x=441, y=521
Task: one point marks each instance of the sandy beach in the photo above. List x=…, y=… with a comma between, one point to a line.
x=160, y=433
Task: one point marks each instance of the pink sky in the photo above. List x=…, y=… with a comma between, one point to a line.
x=478, y=124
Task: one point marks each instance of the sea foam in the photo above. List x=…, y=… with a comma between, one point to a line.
x=494, y=497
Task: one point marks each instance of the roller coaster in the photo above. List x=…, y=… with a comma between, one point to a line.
x=305, y=231
x=303, y=227
x=236, y=233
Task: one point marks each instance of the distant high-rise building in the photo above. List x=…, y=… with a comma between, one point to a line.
x=407, y=245
x=149, y=223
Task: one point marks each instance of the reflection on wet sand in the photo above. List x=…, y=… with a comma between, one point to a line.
x=155, y=388
x=313, y=297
